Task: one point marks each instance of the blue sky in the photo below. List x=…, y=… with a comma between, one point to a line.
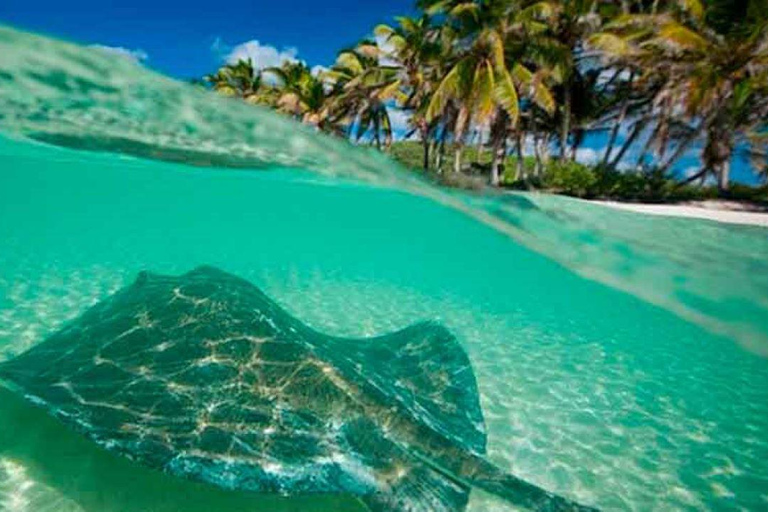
x=189, y=39
x=179, y=37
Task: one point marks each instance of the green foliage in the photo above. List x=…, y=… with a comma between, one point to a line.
x=573, y=179
x=677, y=75
x=708, y=63
x=408, y=153
x=568, y=177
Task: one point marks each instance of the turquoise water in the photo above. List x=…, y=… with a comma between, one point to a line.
x=620, y=358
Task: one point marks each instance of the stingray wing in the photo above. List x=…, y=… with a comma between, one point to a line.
x=205, y=377
x=423, y=370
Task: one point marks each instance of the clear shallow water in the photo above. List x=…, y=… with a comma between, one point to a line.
x=587, y=390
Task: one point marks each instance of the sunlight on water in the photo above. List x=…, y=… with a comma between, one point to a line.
x=588, y=391
x=80, y=97
x=20, y=493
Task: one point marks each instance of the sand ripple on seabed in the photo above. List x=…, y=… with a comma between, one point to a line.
x=579, y=417
x=19, y=493
x=34, y=305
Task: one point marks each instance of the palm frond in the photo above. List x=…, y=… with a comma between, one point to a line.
x=506, y=95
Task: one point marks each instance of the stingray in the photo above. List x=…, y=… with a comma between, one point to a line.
x=204, y=377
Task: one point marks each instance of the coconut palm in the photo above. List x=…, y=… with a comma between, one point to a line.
x=568, y=23
x=490, y=74
x=364, y=86
x=478, y=83
x=240, y=79
x=416, y=49
x=304, y=95
x=713, y=75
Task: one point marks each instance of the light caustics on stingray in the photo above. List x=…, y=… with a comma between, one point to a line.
x=78, y=97
x=204, y=377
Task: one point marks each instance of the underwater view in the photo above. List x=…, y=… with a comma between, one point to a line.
x=214, y=308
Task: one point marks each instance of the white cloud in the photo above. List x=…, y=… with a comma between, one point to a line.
x=126, y=53
x=317, y=70
x=262, y=55
x=588, y=155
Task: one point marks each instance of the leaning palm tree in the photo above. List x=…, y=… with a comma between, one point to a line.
x=568, y=23
x=479, y=82
x=301, y=94
x=487, y=80
x=240, y=79
x=363, y=88
x=714, y=74
x=416, y=50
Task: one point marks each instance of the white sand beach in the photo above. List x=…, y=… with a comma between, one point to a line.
x=730, y=212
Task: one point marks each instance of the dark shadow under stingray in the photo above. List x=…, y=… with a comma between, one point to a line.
x=204, y=377
x=75, y=470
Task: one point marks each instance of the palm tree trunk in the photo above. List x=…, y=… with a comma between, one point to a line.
x=614, y=135
x=457, y=158
x=537, y=169
x=718, y=150
x=459, y=126
x=499, y=148
x=723, y=175
x=376, y=138
x=639, y=125
x=565, y=129
x=698, y=175
x=423, y=129
x=432, y=150
x=479, y=149
x=498, y=136
x=682, y=146
x=617, y=124
x=646, y=147
x=520, y=171
x=578, y=139
x=440, y=154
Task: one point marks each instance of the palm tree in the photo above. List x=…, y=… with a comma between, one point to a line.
x=416, y=50
x=568, y=22
x=490, y=74
x=240, y=80
x=303, y=95
x=712, y=74
x=362, y=88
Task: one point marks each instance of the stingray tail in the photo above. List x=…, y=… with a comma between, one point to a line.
x=477, y=472
x=521, y=493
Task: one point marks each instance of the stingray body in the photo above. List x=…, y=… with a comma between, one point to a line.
x=204, y=377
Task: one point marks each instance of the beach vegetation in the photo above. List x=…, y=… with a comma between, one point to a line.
x=511, y=92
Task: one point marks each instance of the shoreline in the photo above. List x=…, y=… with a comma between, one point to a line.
x=728, y=212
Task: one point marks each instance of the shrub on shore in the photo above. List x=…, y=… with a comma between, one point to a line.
x=573, y=179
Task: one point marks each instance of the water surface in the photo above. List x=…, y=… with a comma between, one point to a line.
x=620, y=358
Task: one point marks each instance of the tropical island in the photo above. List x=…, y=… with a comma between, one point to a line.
x=598, y=357
x=508, y=93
